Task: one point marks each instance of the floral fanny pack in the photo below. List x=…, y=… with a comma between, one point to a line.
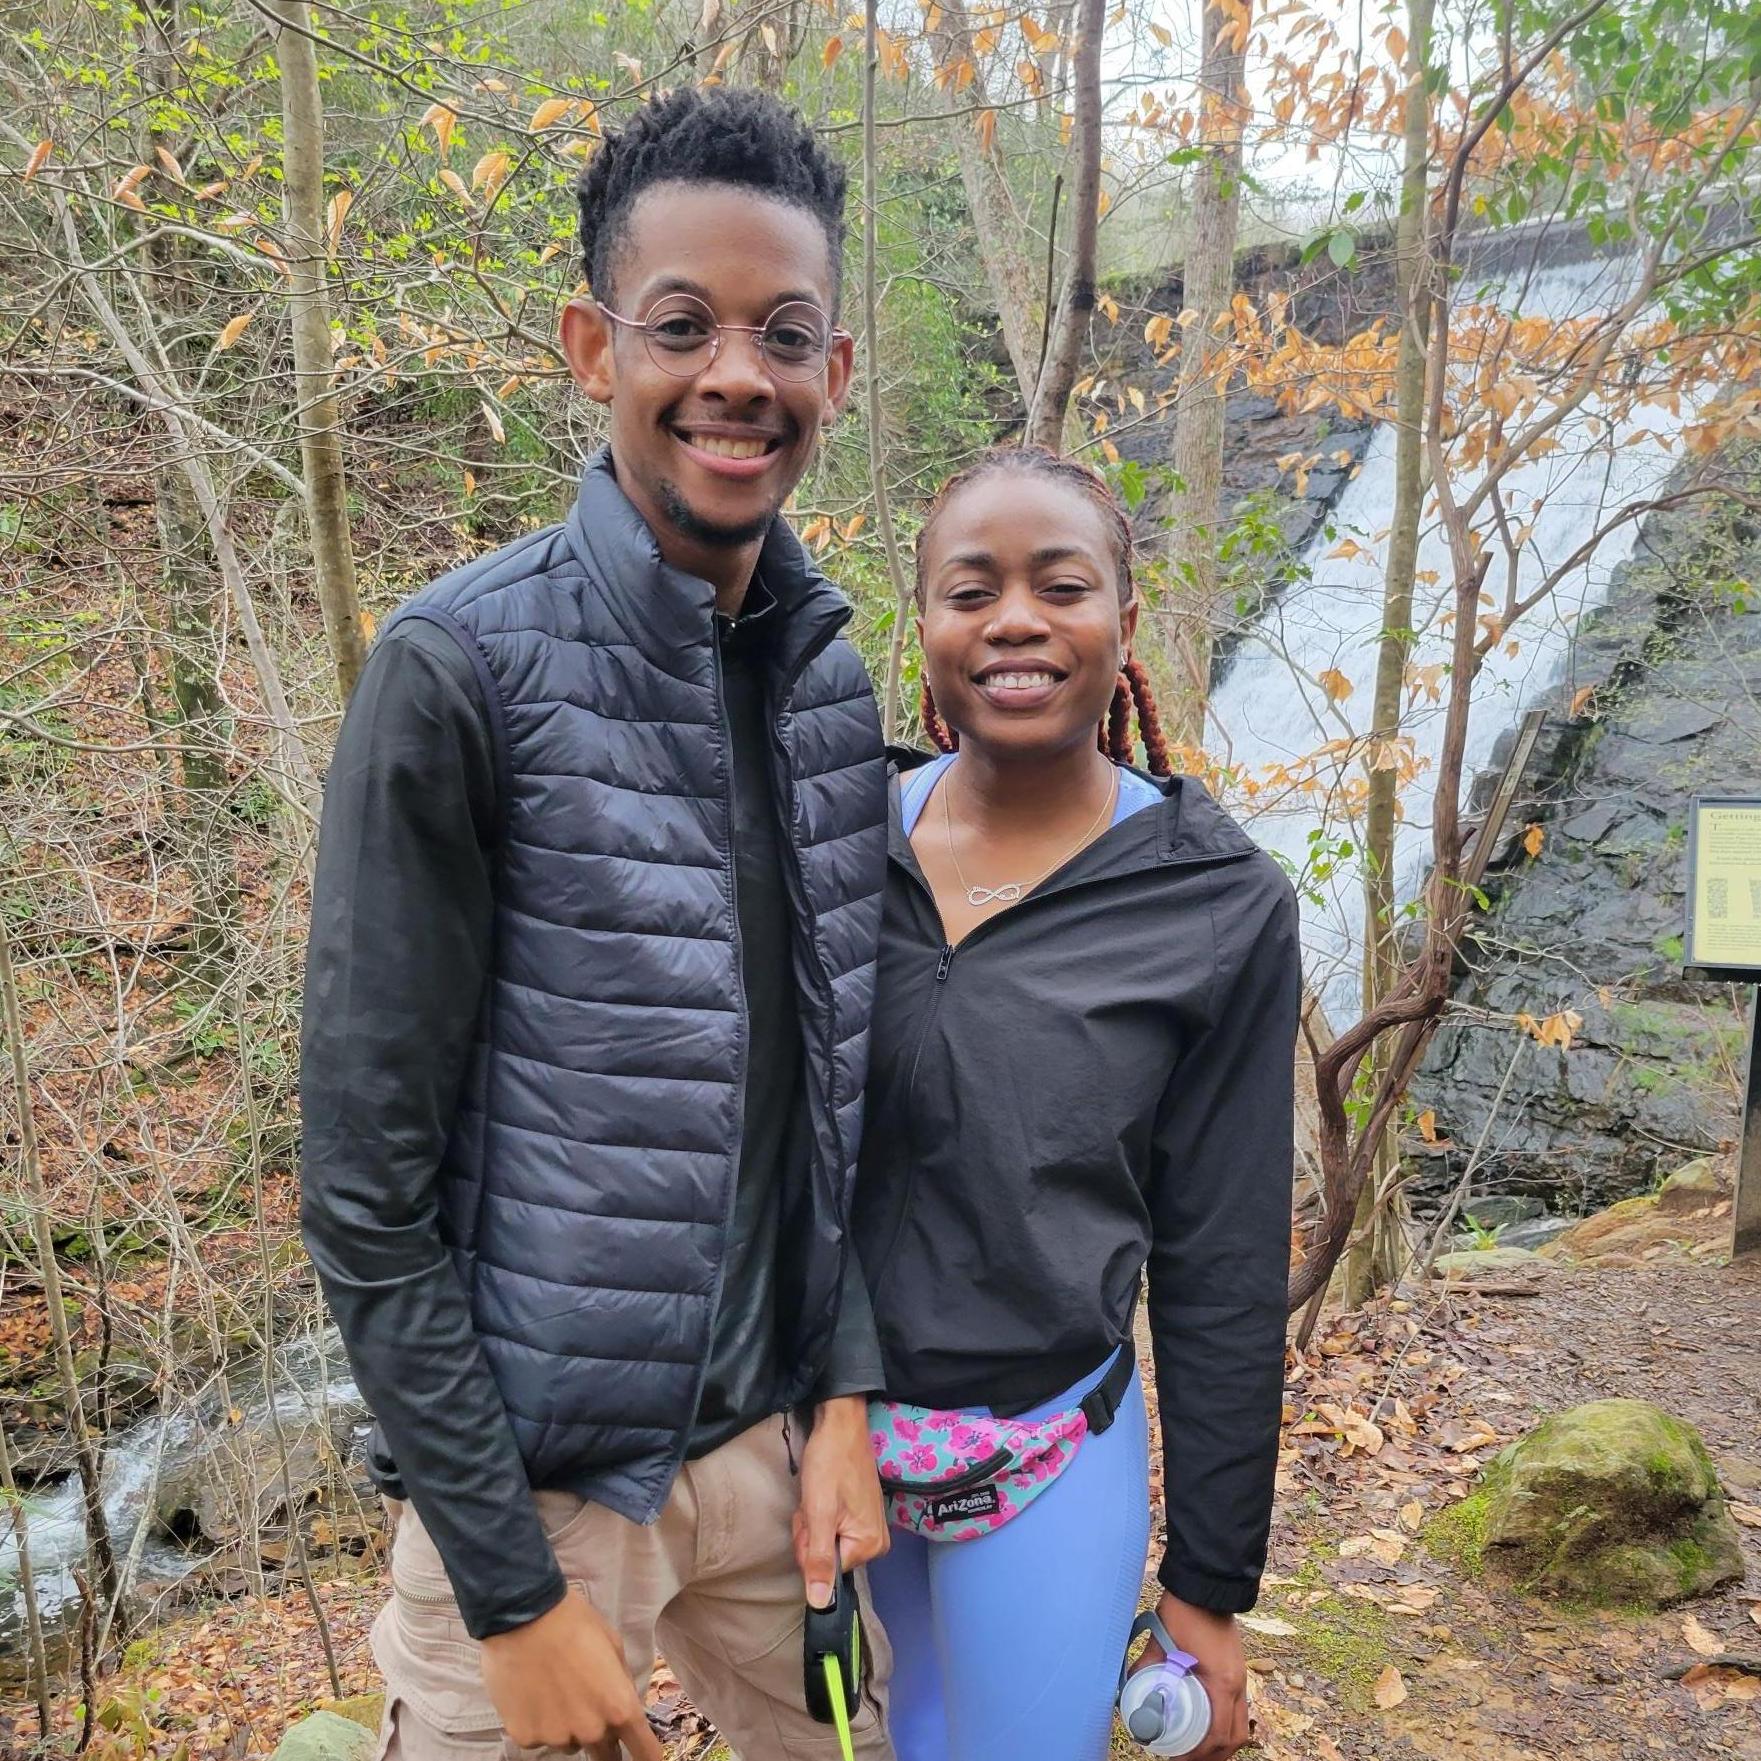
x=953, y=1476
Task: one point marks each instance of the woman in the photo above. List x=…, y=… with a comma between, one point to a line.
x=1082, y=1055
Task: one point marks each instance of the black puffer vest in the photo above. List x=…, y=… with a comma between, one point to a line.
x=590, y=1176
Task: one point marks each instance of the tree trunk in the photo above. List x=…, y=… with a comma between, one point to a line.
x=771, y=47
x=996, y=223
x=187, y=575
x=327, y=514
x=877, y=465
x=1207, y=286
x=1380, y=1247
x=1057, y=377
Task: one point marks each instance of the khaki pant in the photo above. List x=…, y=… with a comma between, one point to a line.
x=713, y=1585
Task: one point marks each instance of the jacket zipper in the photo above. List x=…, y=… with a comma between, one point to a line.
x=976, y=1475
x=877, y=1273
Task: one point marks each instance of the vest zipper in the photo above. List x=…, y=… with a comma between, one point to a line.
x=743, y=1027
x=783, y=772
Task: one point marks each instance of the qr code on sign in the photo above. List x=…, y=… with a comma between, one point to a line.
x=1718, y=898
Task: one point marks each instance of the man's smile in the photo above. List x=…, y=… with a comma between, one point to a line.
x=728, y=449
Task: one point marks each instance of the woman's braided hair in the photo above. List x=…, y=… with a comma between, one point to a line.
x=1132, y=693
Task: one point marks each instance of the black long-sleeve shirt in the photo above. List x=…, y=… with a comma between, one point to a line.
x=398, y=959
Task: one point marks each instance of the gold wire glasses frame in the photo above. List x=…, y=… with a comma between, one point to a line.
x=683, y=336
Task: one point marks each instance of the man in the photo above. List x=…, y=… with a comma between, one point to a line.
x=586, y=1014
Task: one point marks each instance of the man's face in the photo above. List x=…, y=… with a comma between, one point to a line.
x=684, y=446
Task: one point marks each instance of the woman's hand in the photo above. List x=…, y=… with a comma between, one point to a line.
x=1215, y=1640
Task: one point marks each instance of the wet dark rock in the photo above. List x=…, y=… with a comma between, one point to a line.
x=1593, y=924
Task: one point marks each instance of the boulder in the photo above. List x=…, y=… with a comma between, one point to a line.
x=1611, y=1503
x=1483, y=1262
x=326, y=1736
x=1695, y=1187
x=1635, y=1230
x=1536, y=1232
x=366, y=1710
x=1500, y=1210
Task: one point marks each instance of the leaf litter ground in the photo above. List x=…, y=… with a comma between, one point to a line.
x=1368, y=1644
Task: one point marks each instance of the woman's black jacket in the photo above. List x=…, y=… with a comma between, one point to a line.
x=1096, y=1081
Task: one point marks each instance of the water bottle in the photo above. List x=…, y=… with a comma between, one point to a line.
x=1165, y=1707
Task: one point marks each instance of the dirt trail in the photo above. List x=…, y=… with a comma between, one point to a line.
x=1484, y=1675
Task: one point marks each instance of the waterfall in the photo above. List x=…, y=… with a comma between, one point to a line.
x=1269, y=711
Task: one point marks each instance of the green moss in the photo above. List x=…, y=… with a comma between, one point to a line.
x=141, y=1654
x=1349, y=1643
x=1693, y=1563
x=366, y=1710
x=1459, y=1533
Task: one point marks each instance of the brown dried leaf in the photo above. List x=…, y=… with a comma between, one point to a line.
x=490, y=172
x=1390, y=1688
x=1267, y=1625
x=442, y=119
x=334, y=215
x=1707, y=1643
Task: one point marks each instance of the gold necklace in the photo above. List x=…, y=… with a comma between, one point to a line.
x=1010, y=892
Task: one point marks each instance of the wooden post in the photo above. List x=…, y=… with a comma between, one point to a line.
x=1745, y=1206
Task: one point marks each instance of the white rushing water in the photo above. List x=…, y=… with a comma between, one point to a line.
x=164, y=1459
x=1270, y=710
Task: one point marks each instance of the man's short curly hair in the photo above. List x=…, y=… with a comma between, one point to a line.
x=723, y=134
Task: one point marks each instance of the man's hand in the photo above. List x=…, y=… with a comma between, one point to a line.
x=842, y=1515
x=1215, y=1640
x=559, y=1682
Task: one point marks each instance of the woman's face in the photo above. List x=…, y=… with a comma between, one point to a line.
x=1022, y=630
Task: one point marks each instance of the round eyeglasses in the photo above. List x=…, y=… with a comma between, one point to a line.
x=682, y=336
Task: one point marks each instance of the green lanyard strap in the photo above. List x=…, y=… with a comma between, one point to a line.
x=832, y=1641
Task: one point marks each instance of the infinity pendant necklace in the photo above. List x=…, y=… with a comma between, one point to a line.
x=1010, y=892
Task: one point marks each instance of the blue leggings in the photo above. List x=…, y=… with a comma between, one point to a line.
x=1010, y=1645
